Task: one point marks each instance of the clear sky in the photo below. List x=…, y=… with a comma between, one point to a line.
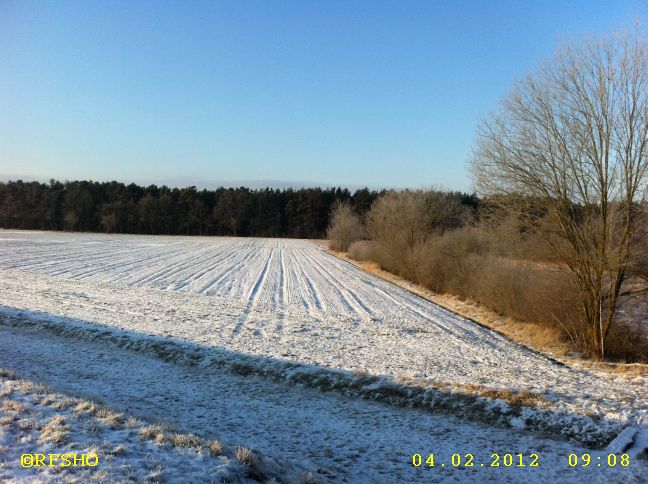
x=336, y=92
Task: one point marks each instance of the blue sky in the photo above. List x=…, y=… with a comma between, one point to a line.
x=334, y=92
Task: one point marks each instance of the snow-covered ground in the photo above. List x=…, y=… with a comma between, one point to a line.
x=287, y=302
x=338, y=438
x=118, y=448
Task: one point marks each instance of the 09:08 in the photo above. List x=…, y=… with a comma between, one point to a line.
x=584, y=460
x=457, y=460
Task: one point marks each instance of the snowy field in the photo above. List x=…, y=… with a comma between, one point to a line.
x=287, y=302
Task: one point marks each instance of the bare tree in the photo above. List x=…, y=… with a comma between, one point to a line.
x=444, y=211
x=397, y=220
x=345, y=227
x=575, y=134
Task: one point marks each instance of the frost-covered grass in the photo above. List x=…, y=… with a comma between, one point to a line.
x=34, y=420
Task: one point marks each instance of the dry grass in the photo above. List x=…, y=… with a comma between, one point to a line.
x=185, y=441
x=516, y=398
x=159, y=434
x=245, y=456
x=152, y=432
x=118, y=450
x=56, y=431
x=626, y=369
x=108, y=417
x=132, y=422
x=47, y=399
x=84, y=406
x=28, y=424
x=26, y=386
x=215, y=447
x=522, y=398
x=534, y=335
x=7, y=419
x=12, y=406
x=65, y=402
x=100, y=476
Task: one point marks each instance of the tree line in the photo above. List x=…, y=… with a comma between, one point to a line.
x=115, y=207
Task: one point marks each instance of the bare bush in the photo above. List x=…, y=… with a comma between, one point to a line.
x=503, y=263
x=464, y=262
x=401, y=222
x=361, y=250
x=396, y=223
x=449, y=261
x=628, y=342
x=345, y=227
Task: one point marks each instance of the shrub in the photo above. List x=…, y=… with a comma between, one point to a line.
x=345, y=227
x=466, y=262
x=401, y=223
x=627, y=342
x=361, y=250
